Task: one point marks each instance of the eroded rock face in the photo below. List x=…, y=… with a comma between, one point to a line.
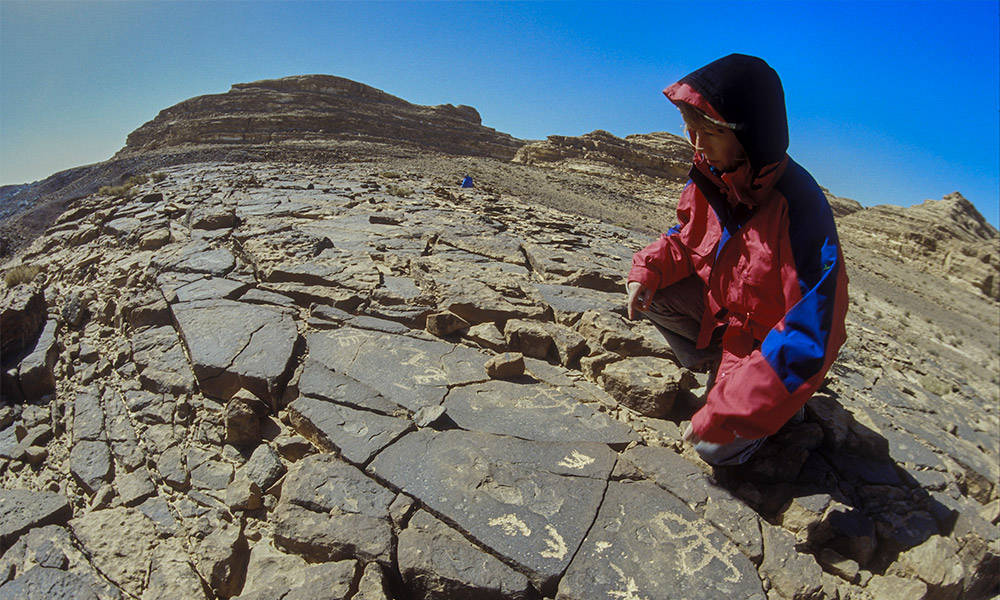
x=661, y=155
x=316, y=108
x=276, y=385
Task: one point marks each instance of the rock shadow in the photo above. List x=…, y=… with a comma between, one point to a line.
x=831, y=481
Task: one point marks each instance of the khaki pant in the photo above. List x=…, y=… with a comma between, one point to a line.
x=677, y=311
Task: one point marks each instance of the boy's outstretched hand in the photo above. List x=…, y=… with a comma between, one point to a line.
x=639, y=298
x=690, y=436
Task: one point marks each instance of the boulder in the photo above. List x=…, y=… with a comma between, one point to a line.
x=508, y=365
x=21, y=510
x=647, y=385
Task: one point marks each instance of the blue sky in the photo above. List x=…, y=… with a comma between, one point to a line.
x=888, y=102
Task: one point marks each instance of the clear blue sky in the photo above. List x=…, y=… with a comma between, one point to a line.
x=888, y=102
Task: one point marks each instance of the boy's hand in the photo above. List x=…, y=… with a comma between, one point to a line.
x=690, y=436
x=639, y=298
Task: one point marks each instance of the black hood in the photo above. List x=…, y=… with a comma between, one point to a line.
x=746, y=92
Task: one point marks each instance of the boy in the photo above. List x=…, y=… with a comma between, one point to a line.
x=751, y=282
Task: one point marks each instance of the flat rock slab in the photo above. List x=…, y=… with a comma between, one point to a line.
x=648, y=544
x=234, y=345
x=356, y=434
x=319, y=381
x=529, y=502
x=21, y=510
x=410, y=372
x=163, y=366
x=41, y=583
x=210, y=288
x=199, y=257
x=330, y=511
x=532, y=411
x=569, y=302
x=437, y=562
x=124, y=556
x=683, y=479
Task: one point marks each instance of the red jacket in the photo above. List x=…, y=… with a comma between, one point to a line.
x=763, y=240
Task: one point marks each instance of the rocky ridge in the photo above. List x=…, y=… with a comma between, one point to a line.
x=276, y=379
x=312, y=109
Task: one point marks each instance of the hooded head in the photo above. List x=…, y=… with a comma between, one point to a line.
x=745, y=92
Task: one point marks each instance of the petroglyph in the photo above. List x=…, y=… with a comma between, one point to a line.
x=576, y=460
x=556, y=545
x=630, y=590
x=698, y=549
x=511, y=525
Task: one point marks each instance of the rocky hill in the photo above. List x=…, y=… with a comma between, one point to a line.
x=273, y=378
x=313, y=109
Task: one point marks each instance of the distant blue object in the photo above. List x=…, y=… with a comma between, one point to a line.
x=467, y=182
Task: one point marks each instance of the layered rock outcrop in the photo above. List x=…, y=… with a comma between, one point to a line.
x=658, y=155
x=948, y=237
x=312, y=109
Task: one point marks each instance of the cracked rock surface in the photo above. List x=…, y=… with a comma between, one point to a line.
x=265, y=380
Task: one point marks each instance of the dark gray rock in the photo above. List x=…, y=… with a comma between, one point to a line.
x=90, y=464
x=264, y=467
x=22, y=316
x=647, y=543
x=329, y=510
x=171, y=467
x=532, y=411
x=149, y=309
x=35, y=371
x=210, y=288
x=88, y=417
x=683, y=479
x=41, y=583
x=356, y=434
x=207, y=471
x=158, y=511
x=373, y=584
x=568, y=303
x=11, y=447
x=200, y=257
x=21, y=510
x=163, y=366
x=529, y=502
x=410, y=372
x=792, y=574
x=150, y=408
x=437, y=562
x=134, y=487
x=235, y=345
x=319, y=381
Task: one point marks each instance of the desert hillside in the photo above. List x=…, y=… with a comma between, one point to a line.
x=283, y=354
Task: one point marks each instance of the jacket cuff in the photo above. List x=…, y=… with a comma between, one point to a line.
x=703, y=426
x=645, y=276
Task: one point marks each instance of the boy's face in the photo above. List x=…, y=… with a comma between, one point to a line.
x=719, y=145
